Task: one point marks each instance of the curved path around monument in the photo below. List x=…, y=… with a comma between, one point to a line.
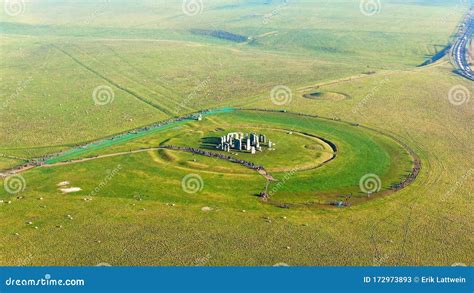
x=77, y=155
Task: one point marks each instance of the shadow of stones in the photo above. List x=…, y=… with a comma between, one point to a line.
x=209, y=142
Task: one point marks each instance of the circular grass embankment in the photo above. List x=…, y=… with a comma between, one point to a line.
x=326, y=96
x=360, y=151
x=315, y=161
x=291, y=149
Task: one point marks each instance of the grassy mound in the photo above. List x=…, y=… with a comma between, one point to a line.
x=329, y=96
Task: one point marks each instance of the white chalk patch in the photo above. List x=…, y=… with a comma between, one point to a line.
x=64, y=183
x=70, y=189
x=206, y=209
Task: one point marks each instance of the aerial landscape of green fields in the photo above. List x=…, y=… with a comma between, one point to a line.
x=236, y=133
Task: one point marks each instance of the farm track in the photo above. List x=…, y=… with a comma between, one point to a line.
x=336, y=81
x=363, y=76
x=128, y=91
x=168, y=90
x=304, y=167
x=260, y=170
x=13, y=157
x=162, y=91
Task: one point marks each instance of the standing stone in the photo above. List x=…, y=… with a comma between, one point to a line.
x=238, y=144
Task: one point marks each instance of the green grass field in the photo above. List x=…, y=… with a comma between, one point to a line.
x=74, y=72
x=314, y=177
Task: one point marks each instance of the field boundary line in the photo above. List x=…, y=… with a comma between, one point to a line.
x=128, y=91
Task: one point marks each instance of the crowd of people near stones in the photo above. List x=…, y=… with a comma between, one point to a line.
x=264, y=194
x=410, y=177
x=215, y=155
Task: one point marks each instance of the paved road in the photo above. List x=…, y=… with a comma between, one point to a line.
x=459, y=51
